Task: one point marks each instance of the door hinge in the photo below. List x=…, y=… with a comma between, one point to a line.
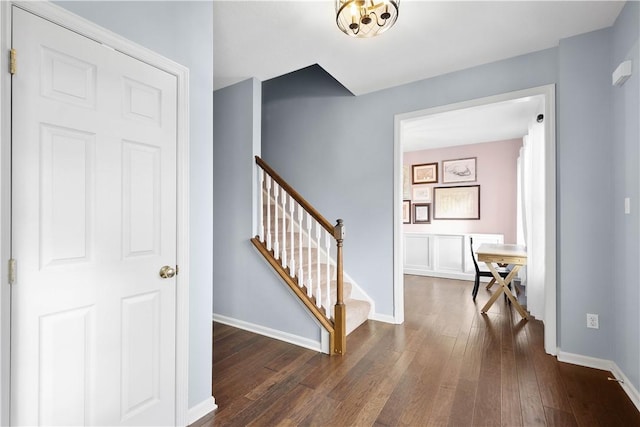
x=13, y=271
x=12, y=61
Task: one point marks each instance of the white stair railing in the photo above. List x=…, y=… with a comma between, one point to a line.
x=287, y=213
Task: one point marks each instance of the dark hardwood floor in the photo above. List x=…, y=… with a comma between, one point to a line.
x=446, y=365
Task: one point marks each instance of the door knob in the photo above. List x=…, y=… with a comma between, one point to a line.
x=167, y=272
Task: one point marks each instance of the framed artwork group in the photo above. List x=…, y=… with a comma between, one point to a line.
x=448, y=202
x=416, y=213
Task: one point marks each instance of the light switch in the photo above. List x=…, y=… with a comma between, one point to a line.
x=627, y=205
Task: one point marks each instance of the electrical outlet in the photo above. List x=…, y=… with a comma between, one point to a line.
x=592, y=321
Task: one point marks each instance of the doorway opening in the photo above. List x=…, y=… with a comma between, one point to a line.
x=542, y=227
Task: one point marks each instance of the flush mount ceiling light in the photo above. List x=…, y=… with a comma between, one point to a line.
x=366, y=18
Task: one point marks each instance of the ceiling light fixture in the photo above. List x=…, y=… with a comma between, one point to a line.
x=366, y=18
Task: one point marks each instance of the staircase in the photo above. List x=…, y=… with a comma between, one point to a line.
x=297, y=242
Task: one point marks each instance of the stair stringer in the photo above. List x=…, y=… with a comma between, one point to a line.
x=325, y=341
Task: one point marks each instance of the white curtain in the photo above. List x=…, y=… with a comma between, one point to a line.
x=523, y=199
x=531, y=195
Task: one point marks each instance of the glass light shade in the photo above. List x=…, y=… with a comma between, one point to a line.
x=366, y=18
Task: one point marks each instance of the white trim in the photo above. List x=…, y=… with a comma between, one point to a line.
x=5, y=214
x=548, y=91
x=444, y=275
x=324, y=340
x=89, y=29
x=268, y=332
x=550, y=292
x=383, y=318
x=587, y=361
x=605, y=365
x=183, y=258
x=626, y=384
x=201, y=409
x=256, y=150
x=398, y=255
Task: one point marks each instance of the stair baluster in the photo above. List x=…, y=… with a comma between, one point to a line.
x=268, y=188
x=283, y=250
x=292, y=258
x=327, y=249
x=318, y=268
x=261, y=199
x=309, y=281
x=276, y=244
x=300, y=270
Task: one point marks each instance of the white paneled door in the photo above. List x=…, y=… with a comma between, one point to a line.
x=93, y=222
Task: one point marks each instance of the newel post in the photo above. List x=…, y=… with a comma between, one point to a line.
x=340, y=309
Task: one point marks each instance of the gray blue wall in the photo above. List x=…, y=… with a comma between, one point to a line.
x=337, y=150
x=245, y=288
x=625, y=144
x=585, y=196
x=181, y=31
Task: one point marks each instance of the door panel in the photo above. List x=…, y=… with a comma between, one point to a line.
x=140, y=350
x=66, y=78
x=141, y=199
x=93, y=221
x=67, y=164
x=67, y=360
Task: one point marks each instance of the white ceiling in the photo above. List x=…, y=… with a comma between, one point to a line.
x=266, y=39
x=500, y=121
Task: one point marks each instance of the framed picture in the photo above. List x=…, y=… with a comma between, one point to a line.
x=425, y=173
x=406, y=182
x=406, y=211
x=460, y=202
x=422, y=213
x=421, y=193
x=460, y=170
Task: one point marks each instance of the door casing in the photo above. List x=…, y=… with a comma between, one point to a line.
x=549, y=232
x=80, y=25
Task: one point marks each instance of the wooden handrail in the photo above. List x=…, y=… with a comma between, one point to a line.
x=337, y=329
x=298, y=198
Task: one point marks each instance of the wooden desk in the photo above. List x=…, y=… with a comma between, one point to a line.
x=515, y=255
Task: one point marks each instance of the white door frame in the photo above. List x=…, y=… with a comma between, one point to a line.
x=82, y=26
x=548, y=92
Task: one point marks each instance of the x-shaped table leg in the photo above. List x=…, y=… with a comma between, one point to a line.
x=503, y=287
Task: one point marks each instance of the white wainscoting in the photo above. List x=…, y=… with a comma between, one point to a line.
x=443, y=255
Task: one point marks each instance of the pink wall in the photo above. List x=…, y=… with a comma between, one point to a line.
x=496, y=175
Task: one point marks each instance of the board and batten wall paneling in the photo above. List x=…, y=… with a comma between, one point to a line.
x=443, y=255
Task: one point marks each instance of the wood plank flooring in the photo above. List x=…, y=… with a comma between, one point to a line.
x=447, y=365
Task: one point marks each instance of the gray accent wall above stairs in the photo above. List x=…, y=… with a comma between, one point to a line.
x=244, y=287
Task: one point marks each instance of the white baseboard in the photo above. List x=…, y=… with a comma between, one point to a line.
x=443, y=274
x=605, y=365
x=201, y=409
x=383, y=318
x=271, y=333
x=587, y=361
x=627, y=386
